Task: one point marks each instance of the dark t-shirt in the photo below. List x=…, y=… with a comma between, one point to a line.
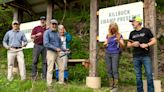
x=39, y=39
x=143, y=36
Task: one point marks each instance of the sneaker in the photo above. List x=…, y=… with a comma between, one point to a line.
x=61, y=83
x=34, y=78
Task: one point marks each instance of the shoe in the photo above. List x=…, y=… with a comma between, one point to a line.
x=111, y=83
x=115, y=83
x=33, y=78
x=49, y=85
x=61, y=83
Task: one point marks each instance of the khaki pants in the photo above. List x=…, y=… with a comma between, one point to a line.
x=51, y=59
x=11, y=55
x=62, y=65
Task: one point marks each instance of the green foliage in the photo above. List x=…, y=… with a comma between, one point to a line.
x=77, y=73
x=160, y=4
x=5, y=21
x=79, y=49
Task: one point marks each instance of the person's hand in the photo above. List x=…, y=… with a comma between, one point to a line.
x=117, y=40
x=136, y=44
x=143, y=45
x=24, y=44
x=105, y=44
x=58, y=49
x=67, y=49
x=8, y=48
x=38, y=34
x=47, y=27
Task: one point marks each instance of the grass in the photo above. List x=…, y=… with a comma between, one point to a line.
x=40, y=86
x=77, y=77
x=76, y=82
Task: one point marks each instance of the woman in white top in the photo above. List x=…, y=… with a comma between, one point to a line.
x=63, y=55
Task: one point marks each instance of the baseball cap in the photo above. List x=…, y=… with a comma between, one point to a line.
x=42, y=17
x=54, y=21
x=15, y=22
x=136, y=18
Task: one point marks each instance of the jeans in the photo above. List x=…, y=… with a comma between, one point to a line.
x=37, y=50
x=112, y=61
x=146, y=61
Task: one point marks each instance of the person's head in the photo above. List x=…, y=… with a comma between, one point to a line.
x=54, y=24
x=43, y=20
x=61, y=30
x=113, y=28
x=136, y=22
x=15, y=25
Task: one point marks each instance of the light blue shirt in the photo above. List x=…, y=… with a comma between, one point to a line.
x=14, y=39
x=52, y=40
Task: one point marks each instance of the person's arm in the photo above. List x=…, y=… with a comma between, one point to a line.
x=33, y=34
x=133, y=44
x=24, y=39
x=105, y=43
x=5, y=41
x=150, y=43
x=68, y=37
x=121, y=42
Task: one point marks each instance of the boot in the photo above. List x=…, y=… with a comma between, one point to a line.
x=111, y=83
x=115, y=85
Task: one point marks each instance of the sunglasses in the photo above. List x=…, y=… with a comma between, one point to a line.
x=53, y=23
x=15, y=24
x=42, y=19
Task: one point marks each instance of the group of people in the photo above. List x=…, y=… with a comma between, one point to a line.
x=140, y=40
x=52, y=44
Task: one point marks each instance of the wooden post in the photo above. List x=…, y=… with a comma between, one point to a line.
x=17, y=14
x=49, y=11
x=150, y=22
x=93, y=40
x=93, y=81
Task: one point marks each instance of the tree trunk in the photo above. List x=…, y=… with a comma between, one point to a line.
x=150, y=22
x=93, y=41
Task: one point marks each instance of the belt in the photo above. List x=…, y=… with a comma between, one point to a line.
x=16, y=47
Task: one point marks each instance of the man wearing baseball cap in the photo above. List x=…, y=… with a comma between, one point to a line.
x=39, y=49
x=140, y=40
x=13, y=41
x=53, y=44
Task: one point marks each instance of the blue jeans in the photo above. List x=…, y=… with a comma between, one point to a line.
x=112, y=61
x=146, y=61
